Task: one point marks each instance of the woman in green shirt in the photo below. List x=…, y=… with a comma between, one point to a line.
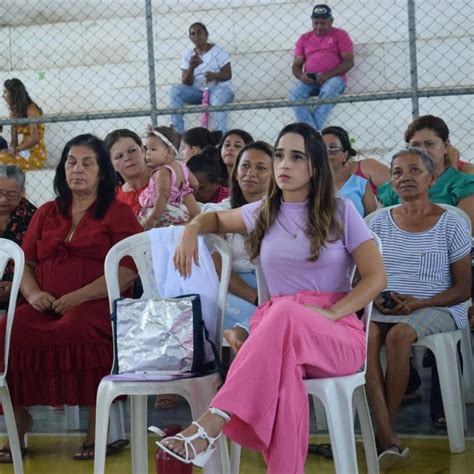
x=451, y=187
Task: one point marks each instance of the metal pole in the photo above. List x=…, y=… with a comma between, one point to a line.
x=415, y=109
x=151, y=61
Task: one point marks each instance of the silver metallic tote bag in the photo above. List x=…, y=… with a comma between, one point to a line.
x=162, y=335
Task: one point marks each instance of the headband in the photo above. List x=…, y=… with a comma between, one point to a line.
x=165, y=140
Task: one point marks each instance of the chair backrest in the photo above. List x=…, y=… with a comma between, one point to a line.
x=139, y=248
x=11, y=251
x=368, y=219
x=264, y=293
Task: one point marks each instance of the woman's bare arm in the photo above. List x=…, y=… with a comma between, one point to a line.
x=222, y=222
x=93, y=291
x=372, y=281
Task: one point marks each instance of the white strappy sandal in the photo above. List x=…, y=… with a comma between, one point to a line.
x=197, y=459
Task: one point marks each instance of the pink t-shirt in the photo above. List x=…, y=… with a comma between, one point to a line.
x=323, y=53
x=284, y=257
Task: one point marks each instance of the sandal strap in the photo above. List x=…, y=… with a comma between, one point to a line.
x=221, y=413
x=187, y=442
x=202, y=433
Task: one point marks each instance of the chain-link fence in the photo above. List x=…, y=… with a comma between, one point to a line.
x=94, y=66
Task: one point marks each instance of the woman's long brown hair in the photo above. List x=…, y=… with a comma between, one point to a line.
x=322, y=201
x=20, y=99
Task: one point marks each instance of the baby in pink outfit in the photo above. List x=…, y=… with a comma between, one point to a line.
x=168, y=199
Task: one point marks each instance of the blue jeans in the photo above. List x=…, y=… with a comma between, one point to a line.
x=181, y=94
x=331, y=88
x=239, y=312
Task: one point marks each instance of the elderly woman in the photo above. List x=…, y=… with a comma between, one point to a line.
x=127, y=155
x=426, y=253
x=15, y=215
x=61, y=344
x=348, y=184
x=249, y=181
x=204, y=66
x=452, y=187
x=30, y=152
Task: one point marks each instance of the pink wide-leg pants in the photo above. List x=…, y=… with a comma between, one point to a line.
x=264, y=390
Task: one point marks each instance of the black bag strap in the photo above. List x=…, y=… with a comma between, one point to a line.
x=217, y=360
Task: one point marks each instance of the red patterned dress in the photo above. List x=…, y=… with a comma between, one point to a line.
x=57, y=360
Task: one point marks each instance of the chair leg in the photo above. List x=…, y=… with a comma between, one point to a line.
x=104, y=400
x=235, y=452
x=138, y=418
x=367, y=430
x=12, y=431
x=319, y=414
x=341, y=429
x=72, y=417
x=468, y=365
x=448, y=369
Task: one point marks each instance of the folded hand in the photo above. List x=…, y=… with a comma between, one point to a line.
x=67, y=301
x=41, y=300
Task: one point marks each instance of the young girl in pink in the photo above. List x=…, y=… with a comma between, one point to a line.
x=168, y=198
x=308, y=242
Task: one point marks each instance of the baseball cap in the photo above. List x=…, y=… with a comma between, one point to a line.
x=321, y=11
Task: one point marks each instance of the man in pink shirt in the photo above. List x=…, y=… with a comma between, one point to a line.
x=322, y=58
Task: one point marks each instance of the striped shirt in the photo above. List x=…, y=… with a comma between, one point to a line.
x=418, y=263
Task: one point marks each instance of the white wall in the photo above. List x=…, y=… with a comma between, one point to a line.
x=91, y=56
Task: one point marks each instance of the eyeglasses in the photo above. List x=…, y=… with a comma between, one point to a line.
x=9, y=195
x=334, y=150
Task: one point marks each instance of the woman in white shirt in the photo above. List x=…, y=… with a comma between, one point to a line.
x=205, y=65
x=248, y=182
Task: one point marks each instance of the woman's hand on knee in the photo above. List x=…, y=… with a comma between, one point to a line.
x=236, y=337
x=328, y=313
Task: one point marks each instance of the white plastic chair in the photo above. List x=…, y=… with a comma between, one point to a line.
x=11, y=251
x=197, y=391
x=451, y=380
x=339, y=396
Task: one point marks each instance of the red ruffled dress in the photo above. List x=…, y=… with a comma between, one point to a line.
x=61, y=360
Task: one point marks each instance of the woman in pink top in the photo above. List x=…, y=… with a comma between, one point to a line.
x=375, y=172
x=308, y=242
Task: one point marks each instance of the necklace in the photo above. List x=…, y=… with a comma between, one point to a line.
x=293, y=235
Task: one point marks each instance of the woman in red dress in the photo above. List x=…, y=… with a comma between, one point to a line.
x=127, y=154
x=61, y=343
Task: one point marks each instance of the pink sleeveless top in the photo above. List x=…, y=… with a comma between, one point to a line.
x=359, y=172
x=148, y=197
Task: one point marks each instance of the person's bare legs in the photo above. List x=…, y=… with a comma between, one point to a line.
x=90, y=437
x=24, y=422
x=398, y=345
x=212, y=423
x=86, y=451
